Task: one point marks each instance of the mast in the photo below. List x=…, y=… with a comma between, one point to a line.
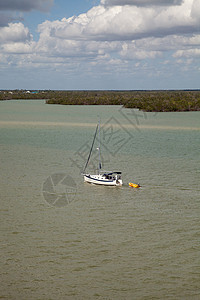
x=99, y=149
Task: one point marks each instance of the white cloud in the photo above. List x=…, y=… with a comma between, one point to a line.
x=187, y=53
x=15, y=40
x=141, y=2
x=15, y=32
x=127, y=23
x=135, y=51
x=195, y=12
x=18, y=48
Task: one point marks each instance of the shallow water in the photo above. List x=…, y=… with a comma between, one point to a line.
x=107, y=243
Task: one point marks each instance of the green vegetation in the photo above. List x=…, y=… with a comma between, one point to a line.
x=143, y=100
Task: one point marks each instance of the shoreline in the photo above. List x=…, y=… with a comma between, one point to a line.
x=148, y=101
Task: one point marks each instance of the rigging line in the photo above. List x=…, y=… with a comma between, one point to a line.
x=91, y=149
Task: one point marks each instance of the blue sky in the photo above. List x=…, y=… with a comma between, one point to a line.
x=100, y=44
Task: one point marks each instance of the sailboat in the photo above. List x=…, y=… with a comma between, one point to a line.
x=102, y=177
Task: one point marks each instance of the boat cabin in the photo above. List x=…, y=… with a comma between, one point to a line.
x=112, y=175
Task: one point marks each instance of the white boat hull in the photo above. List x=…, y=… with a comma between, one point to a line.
x=101, y=180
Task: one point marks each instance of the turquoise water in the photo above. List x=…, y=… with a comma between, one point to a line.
x=107, y=243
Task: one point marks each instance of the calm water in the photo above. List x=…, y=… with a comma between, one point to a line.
x=108, y=243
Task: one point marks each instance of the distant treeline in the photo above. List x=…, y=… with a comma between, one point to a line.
x=178, y=100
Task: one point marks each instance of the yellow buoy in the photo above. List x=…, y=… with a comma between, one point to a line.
x=135, y=185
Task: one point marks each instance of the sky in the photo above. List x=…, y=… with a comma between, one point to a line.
x=100, y=44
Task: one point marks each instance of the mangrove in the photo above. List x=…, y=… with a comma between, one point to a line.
x=150, y=101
